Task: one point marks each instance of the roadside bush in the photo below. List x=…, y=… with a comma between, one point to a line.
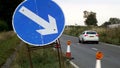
x=113, y=35
x=74, y=30
x=8, y=42
x=3, y=26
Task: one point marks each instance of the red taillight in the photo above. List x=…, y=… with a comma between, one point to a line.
x=85, y=35
x=97, y=34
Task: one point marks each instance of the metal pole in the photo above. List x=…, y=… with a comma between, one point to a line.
x=29, y=56
x=57, y=46
x=62, y=58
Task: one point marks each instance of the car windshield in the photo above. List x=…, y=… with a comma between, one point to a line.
x=91, y=33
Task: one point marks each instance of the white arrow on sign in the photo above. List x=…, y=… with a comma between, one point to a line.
x=49, y=27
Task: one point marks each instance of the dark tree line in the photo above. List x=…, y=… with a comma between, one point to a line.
x=90, y=19
x=111, y=21
x=7, y=8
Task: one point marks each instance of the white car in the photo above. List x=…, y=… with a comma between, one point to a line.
x=89, y=35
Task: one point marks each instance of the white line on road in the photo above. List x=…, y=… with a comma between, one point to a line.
x=110, y=44
x=74, y=65
x=95, y=49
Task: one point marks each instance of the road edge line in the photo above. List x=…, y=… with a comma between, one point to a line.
x=113, y=45
x=74, y=65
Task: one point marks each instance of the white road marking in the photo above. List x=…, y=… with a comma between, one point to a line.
x=110, y=44
x=74, y=64
x=95, y=49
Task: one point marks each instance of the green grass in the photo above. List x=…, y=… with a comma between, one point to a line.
x=111, y=36
x=41, y=58
x=8, y=43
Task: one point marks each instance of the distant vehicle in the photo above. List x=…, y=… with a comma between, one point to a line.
x=89, y=35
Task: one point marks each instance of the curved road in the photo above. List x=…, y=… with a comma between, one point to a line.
x=84, y=54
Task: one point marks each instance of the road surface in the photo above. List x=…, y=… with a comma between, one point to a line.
x=84, y=54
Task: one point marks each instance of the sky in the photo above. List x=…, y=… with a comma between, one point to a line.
x=104, y=9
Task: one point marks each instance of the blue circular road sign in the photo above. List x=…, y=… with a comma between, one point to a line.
x=38, y=22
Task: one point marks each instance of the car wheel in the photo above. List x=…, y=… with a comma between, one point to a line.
x=83, y=41
x=79, y=41
x=97, y=42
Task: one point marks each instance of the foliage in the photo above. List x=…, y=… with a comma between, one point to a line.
x=8, y=42
x=111, y=35
x=75, y=30
x=105, y=24
x=112, y=21
x=41, y=58
x=3, y=26
x=7, y=8
x=90, y=18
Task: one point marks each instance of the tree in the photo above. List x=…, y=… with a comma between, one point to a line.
x=3, y=26
x=105, y=24
x=90, y=18
x=86, y=14
x=7, y=8
x=111, y=21
x=114, y=21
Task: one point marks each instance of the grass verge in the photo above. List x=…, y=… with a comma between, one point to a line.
x=8, y=43
x=41, y=58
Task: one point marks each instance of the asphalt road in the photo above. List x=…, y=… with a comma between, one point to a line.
x=84, y=54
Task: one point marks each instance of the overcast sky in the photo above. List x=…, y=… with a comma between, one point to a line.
x=73, y=10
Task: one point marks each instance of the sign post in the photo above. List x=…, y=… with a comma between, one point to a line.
x=38, y=23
